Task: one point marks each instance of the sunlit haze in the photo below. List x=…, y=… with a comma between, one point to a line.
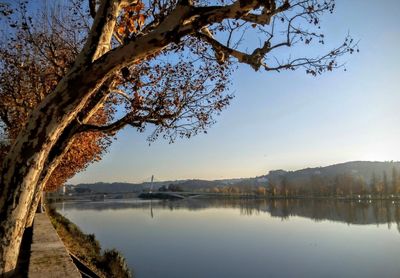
x=287, y=120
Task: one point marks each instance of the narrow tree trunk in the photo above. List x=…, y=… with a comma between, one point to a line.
x=33, y=209
x=40, y=207
x=37, y=206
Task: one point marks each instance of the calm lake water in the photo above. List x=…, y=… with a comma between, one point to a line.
x=246, y=238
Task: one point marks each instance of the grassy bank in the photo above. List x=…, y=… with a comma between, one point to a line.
x=107, y=263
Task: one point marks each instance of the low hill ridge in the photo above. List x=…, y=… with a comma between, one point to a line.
x=361, y=169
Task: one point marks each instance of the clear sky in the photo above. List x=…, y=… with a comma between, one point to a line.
x=287, y=120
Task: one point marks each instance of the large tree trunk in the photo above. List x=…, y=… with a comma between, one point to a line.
x=62, y=146
x=26, y=160
x=23, y=165
x=20, y=178
x=91, y=52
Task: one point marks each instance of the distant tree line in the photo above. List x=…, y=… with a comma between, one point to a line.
x=171, y=188
x=341, y=185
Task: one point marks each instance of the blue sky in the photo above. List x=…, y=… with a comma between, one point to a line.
x=287, y=120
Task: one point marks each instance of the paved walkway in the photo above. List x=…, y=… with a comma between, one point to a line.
x=49, y=257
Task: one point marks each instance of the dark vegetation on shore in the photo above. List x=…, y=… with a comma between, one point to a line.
x=348, y=183
x=107, y=263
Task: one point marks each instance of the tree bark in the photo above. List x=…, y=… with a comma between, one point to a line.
x=55, y=156
x=62, y=147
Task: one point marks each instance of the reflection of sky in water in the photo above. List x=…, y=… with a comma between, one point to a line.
x=201, y=238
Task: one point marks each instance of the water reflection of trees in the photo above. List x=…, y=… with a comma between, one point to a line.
x=351, y=212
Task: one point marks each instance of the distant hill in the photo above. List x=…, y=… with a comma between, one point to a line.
x=362, y=169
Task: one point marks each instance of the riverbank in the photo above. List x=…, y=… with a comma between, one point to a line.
x=173, y=195
x=239, y=238
x=107, y=263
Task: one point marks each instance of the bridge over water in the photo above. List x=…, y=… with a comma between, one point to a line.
x=180, y=195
